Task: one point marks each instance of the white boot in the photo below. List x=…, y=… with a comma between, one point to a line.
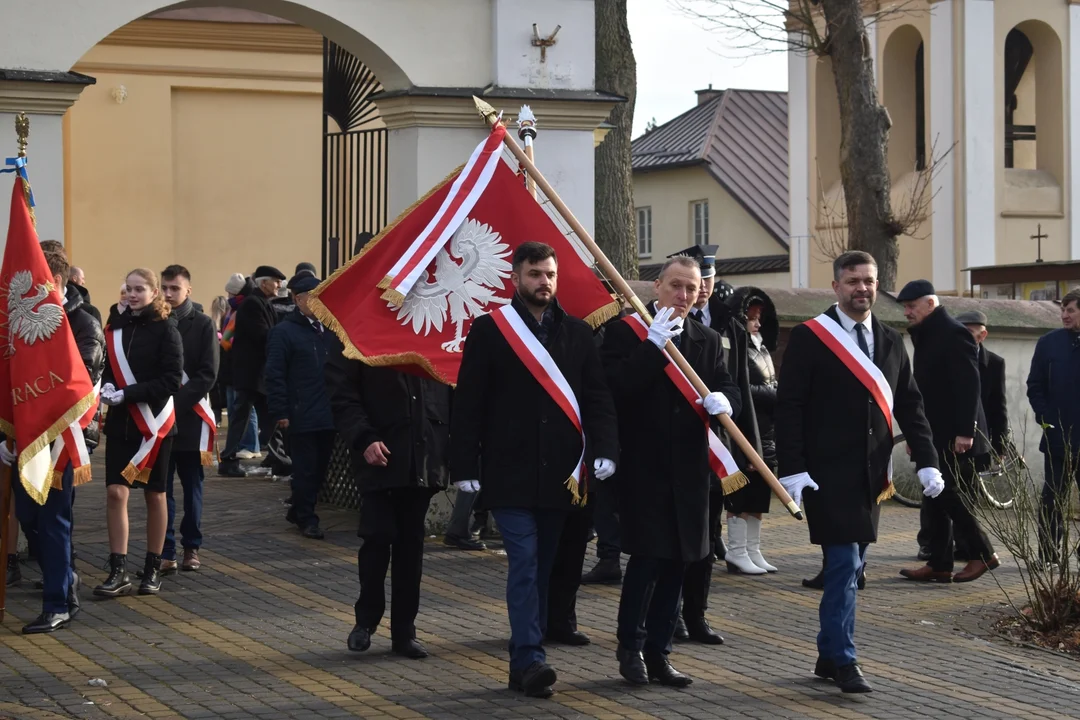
x=753, y=544
x=737, y=559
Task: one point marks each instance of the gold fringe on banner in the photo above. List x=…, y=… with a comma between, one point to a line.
x=206, y=458
x=602, y=314
x=886, y=493
x=579, y=498
x=394, y=297
x=133, y=475
x=385, y=282
x=733, y=482
x=83, y=475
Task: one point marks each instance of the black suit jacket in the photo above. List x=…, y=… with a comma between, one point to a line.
x=510, y=434
x=995, y=405
x=947, y=370
x=663, y=480
x=201, y=364
x=828, y=425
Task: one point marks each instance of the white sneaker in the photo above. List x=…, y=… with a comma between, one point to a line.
x=246, y=455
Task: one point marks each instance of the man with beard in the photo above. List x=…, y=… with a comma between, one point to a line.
x=844, y=376
x=515, y=444
x=947, y=370
x=665, y=482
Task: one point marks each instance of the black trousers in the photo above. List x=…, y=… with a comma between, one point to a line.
x=698, y=576
x=246, y=401
x=1059, y=470
x=310, y=453
x=605, y=514
x=391, y=530
x=649, y=604
x=949, y=515
x=566, y=573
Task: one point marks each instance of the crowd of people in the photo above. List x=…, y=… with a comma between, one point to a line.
x=539, y=394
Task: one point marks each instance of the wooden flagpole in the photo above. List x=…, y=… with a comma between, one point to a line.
x=623, y=288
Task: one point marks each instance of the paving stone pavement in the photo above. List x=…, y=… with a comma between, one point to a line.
x=260, y=632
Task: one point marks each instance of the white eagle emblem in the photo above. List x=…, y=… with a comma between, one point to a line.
x=25, y=319
x=468, y=273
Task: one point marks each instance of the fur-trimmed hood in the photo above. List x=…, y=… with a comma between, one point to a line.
x=743, y=298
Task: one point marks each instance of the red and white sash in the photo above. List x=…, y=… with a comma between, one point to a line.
x=841, y=344
x=208, y=429
x=720, y=459
x=539, y=362
x=465, y=191
x=70, y=446
x=154, y=428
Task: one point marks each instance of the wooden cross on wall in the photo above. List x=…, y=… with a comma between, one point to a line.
x=1039, y=236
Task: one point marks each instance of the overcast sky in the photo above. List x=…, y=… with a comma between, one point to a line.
x=675, y=57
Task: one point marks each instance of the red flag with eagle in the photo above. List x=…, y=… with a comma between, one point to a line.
x=409, y=297
x=45, y=391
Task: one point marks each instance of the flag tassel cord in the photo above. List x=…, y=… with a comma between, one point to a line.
x=623, y=289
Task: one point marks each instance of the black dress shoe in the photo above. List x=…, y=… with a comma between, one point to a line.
x=700, y=631
x=632, y=666
x=47, y=623
x=515, y=685
x=14, y=572
x=410, y=648
x=312, y=532
x=681, y=633
x=464, y=543
x=537, y=680
x=815, y=583
x=606, y=571
x=359, y=639
x=660, y=671
x=231, y=468
x=574, y=638
x=924, y=554
x=825, y=668
x=849, y=678
x=290, y=517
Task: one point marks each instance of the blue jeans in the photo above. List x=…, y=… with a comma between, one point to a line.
x=250, y=440
x=836, y=614
x=188, y=465
x=531, y=539
x=52, y=522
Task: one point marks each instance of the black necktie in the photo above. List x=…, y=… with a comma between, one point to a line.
x=699, y=316
x=860, y=333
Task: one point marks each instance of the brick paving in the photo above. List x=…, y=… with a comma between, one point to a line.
x=260, y=632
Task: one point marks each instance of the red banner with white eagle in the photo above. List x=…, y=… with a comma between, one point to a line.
x=44, y=386
x=409, y=297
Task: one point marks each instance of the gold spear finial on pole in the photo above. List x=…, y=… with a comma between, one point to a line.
x=22, y=131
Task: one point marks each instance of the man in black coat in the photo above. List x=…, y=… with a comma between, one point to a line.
x=665, y=481
x=298, y=401
x=254, y=319
x=947, y=371
x=190, y=452
x=834, y=443
x=517, y=446
x=397, y=428
x=995, y=406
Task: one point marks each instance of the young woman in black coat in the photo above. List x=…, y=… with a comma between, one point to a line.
x=144, y=336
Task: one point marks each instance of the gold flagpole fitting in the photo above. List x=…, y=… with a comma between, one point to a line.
x=623, y=288
x=527, y=135
x=22, y=132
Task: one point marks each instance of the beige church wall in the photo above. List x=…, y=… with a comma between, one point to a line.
x=212, y=160
x=669, y=194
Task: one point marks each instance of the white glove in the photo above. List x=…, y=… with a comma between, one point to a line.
x=114, y=398
x=795, y=484
x=716, y=403
x=469, y=486
x=107, y=389
x=8, y=457
x=664, y=327
x=932, y=481
x=603, y=468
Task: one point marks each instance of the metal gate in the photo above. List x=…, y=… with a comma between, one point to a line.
x=354, y=157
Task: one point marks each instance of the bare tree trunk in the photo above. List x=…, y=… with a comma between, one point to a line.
x=616, y=72
x=864, y=138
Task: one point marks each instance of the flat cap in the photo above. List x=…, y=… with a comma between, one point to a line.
x=972, y=317
x=302, y=282
x=268, y=271
x=915, y=290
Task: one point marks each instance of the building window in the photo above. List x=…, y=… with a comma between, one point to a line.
x=644, y=232
x=920, y=108
x=701, y=221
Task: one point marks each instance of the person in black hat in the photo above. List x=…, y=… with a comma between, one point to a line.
x=254, y=319
x=946, y=370
x=992, y=381
x=297, y=400
x=304, y=267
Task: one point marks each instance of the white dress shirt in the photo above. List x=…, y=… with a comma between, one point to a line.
x=849, y=327
x=706, y=315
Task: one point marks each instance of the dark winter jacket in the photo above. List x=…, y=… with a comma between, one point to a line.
x=295, y=375
x=408, y=413
x=155, y=353
x=254, y=319
x=90, y=339
x=1054, y=390
x=200, y=363
x=94, y=312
